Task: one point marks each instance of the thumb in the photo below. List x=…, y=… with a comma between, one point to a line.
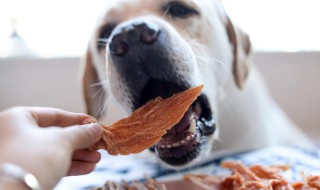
x=83, y=136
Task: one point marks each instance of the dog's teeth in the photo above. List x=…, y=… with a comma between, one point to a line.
x=169, y=146
x=163, y=146
x=182, y=142
x=192, y=127
x=197, y=108
x=176, y=145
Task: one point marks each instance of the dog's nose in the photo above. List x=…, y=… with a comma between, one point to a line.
x=131, y=35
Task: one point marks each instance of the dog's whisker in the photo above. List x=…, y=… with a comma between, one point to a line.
x=228, y=72
x=102, y=45
x=97, y=92
x=218, y=66
x=224, y=67
x=222, y=64
x=223, y=73
x=166, y=11
x=103, y=41
x=103, y=107
x=101, y=83
x=214, y=63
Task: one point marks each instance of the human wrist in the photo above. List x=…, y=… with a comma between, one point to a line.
x=11, y=183
x=15, y=177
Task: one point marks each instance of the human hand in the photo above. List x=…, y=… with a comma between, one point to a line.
x=49, y=143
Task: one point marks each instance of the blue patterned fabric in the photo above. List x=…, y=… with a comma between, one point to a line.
x=132, y=168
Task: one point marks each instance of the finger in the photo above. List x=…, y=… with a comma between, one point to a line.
x=81, y=168
x=82, y=136
x=85, y=155
x=46, y=116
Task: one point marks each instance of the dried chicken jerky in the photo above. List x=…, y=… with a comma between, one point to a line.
x=310, y=183
x=150, y=184
x=313, y=181
x=206, y=182
x=253, y=177
x=146, y=125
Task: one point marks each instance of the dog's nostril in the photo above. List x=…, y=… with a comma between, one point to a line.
x=128, y=37
x=148, y=32
x=118, y=47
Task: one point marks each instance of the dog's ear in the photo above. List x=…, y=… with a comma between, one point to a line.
x=241, y=53
x=92, y=92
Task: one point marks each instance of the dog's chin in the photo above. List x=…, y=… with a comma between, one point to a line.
x=179, y=151
x=183, y=160
x=184, y=142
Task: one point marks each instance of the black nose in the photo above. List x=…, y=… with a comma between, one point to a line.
x=135, y=34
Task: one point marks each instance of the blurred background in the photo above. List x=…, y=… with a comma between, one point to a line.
x=42, y=42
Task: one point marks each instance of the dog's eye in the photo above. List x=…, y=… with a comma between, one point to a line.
x=104, y=35
x=176, y=9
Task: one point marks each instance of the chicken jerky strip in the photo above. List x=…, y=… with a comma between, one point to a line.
x=146, y=125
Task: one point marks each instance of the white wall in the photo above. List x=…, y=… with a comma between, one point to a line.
x=36, y=82
x=293, y=79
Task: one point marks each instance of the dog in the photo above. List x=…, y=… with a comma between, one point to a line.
x=142, y=49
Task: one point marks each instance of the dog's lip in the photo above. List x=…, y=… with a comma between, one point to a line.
x=181, y=151
x=180, y=156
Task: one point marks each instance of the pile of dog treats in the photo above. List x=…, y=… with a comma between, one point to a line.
x=252, y=177
x=150, y=184
x=241, y=178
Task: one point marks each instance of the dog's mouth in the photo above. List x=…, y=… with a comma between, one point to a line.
x=183, y=142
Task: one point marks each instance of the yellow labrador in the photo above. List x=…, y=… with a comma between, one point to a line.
x=141, y=49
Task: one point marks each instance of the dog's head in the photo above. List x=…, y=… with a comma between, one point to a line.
x=142, y=49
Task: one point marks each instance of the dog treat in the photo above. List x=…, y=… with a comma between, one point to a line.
x=150, y=184
x=146, y=125
x=253, y=177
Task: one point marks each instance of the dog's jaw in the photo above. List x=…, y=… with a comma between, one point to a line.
x=185, y=141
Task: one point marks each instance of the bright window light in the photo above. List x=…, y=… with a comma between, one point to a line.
x=59, y=28
x=278, y=25
x=51, y=28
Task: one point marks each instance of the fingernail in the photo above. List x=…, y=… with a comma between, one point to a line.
x=94, y=167
x=96, y=129
x=89, y=120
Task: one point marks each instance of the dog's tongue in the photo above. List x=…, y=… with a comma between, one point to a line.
x=182, y=126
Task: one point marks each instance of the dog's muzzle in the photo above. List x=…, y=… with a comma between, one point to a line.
x=143, y=54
